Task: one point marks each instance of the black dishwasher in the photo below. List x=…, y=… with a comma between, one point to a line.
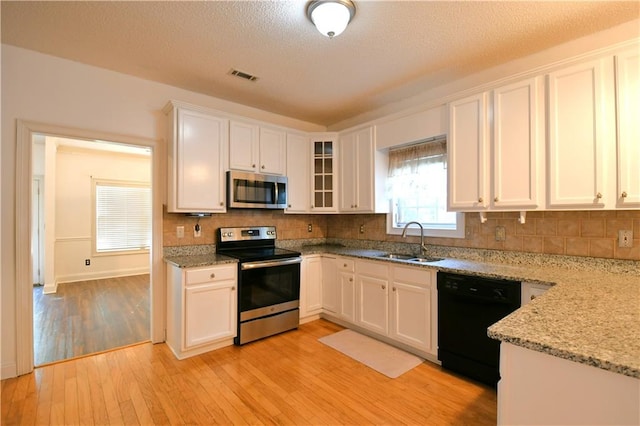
x=467, y=306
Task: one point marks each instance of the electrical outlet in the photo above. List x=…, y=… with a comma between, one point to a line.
x=87, y=262
x=625, y=238
x=180, y=231
x=501, y=233
x=197, y=230
x=309, y=228
x=362, y=229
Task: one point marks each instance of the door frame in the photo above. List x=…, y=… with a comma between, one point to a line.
x=39, y=179
x=24, y=274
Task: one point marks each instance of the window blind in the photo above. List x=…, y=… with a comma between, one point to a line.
x=123, y=216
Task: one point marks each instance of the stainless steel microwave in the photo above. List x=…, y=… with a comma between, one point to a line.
x=257, y=191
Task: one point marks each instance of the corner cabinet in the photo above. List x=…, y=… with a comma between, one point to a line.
x=324, y=173
x=197, y=152
x=201, y=308
x=581, y=133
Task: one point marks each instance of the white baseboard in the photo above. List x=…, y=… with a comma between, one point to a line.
x=50, y=288
x=100, y=275
x=8, y=371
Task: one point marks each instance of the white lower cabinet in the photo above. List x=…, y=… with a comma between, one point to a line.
x=397, y=303
x=310, y=287
x=201, y=308
x=372, y=290
x=414, y=307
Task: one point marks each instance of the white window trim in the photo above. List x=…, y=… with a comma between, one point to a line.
x=413, y=230
x=95, y=252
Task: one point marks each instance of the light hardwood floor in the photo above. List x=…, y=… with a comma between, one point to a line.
x=90, y=316
x=290, y=378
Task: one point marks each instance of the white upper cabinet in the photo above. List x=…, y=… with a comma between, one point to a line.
x=356, y=171
x=197, y=153
x=516, y=145
x=324, y=173
x=298, y=173
x=581, y=135
x=497, y=169
x=628, y=117
x=467, y=151
x=254, y=148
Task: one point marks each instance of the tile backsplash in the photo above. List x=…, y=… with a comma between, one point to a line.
x=571, y=233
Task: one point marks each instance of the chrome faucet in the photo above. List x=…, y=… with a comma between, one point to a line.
x=423, y=249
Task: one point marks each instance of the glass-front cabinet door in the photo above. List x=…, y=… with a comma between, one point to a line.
x=324, y=175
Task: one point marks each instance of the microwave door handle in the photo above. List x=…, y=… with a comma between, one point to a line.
x=270, y=263
x=275, y=200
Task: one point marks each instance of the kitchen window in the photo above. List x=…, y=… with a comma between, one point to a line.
x=122, y=219
x=417, y=188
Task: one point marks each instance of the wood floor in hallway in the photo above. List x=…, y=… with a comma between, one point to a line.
x=290, y=378
x=90, y=316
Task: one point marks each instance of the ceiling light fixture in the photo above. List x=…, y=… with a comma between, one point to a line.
x=331, y=17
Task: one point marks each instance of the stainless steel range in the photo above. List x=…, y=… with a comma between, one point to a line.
x=268, y=281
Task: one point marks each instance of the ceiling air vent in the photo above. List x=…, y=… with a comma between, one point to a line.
x=243, y=75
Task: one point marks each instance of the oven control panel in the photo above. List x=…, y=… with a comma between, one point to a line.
x=244, y=234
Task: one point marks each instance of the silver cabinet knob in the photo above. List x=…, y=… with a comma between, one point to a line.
x=624, y=194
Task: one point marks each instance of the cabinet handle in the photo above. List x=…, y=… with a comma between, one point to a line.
x=221, y=203
x=253, y=166
x=262, y=166
x=599, y=195
x=344, y=266
x=532, y=297
x=383, y=287
x=350, y=279
x=233, y=288
x=480, y=200
x=394, y=289
x=212, y=275
x=289, y=205
x=496, y=199
x=624, y=194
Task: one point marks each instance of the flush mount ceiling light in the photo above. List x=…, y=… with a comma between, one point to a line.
x=331, y=17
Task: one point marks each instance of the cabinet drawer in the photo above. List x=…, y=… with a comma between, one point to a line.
x=417, y=276
x=210, y=274
x=345, y=265
x=373, y=269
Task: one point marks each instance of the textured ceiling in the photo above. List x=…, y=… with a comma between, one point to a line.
x=391, y=50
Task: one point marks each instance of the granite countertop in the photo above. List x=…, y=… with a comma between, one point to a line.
x=587, y=316
x=196, y=260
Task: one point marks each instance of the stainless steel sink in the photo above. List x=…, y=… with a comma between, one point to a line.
x=396, y=256
x=424, y=259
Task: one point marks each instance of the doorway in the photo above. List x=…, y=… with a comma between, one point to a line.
x=24, y=267
x=95, y=296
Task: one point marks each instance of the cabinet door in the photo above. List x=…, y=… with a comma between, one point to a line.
x=244, y=146
x=324, y=170
x=373, y=311
x=200, y=147
x=467, y=154
x=347, y=297
x=311, y=286
x=347, y=177
x=210, y=313
x=329, y=284
x=628, y=99
x=273, y=151
x=580, y=135
x=298, y=174
x=411, y=314
x=516, y=145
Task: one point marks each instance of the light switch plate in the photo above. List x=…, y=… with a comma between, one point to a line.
x=625, y=238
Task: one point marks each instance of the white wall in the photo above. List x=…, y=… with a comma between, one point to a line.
x=55, y=91
x=75, y=169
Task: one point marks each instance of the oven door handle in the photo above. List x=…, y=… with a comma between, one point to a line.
x=270, y=263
